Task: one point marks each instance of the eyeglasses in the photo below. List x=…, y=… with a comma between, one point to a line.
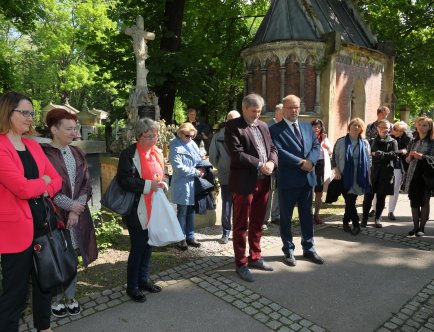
x=26, y=114
x=291, y=107
x=187, y=135
x=151, y=137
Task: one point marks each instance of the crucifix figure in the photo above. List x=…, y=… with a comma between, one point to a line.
x=140, y=38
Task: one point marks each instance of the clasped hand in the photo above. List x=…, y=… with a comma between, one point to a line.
x=306, y=165
x=267, y=168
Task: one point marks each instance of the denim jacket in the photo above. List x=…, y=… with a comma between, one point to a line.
x=183, y=158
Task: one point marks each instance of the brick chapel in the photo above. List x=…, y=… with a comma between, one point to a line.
x=323, y=52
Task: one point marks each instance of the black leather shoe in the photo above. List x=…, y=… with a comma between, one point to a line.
x=371, y=214
x=355, y=230
x=391, y=216
x=364, y=223
x=346, y=227
x=149, y=286
x=313, y=257
x=136, y=295
x=260, y=265
x=193, y=243
x=290, y=260
x=182, y=245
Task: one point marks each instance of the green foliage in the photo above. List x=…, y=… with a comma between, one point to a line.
x=410, y=25
x=179, y=111
x=107, y=228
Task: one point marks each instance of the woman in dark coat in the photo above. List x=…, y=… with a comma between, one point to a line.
x=384, y=151
x=400, y=165
x=420, y=157
x=72, y=200
x=141, y=171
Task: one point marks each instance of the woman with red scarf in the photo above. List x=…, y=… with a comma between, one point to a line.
x=141, y=171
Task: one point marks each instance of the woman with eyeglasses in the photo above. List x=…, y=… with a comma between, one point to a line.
x=141, y=171
x=399, y=164
x=351, y=162
x=71, y=200
x=26, y=176
x=420, y=157
x=184, y=156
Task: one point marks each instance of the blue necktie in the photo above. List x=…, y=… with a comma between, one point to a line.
x=297, y=133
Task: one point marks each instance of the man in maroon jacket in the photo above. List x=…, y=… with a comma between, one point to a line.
x=253, y=158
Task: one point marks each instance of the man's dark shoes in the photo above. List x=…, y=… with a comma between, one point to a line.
x=371, y=214
x=136, y=295
x=364, y=223
x=149, y=286
x=182, y=245
x=244, y=273
x=290, y=259
x=260, y=265
x=346, y=227
x=313, y=257
x=193, y=243
x=391, y=216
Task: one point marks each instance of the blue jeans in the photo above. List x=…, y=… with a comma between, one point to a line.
x=287, y=199
x=139, y=258
x=226, y=209
x=185, y=214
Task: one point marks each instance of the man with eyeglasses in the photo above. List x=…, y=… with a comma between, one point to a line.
x=298, y=150
x=253, y=158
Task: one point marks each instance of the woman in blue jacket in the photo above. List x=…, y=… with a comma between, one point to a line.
x=184, y=156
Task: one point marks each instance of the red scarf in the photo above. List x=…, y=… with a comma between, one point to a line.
x=152, y=167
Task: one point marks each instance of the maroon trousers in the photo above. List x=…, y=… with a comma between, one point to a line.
x=249, y=212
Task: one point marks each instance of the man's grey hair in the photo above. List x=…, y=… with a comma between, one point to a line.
x=144, y=125
x=278, y=107
x=253, y=99
x=233, y=115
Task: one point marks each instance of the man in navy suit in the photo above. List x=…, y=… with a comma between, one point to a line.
x=253, y=158
x=298, y=150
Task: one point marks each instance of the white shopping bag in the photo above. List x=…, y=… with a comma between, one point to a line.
x=163, y=226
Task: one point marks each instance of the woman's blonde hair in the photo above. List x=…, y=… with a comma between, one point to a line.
x=359, y=122
x=187, y=126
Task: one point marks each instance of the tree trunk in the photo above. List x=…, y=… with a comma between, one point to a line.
x=171, y=42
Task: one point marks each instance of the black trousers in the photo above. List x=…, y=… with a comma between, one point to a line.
x=367, y=203
x=16, y=269
x=350, y=213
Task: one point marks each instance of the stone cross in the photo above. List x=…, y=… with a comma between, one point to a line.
x=140, y=38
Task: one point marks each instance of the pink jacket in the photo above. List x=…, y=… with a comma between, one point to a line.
x=16, y=222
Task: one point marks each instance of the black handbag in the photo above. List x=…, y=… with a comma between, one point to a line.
x=118, y=200
x=54, y=258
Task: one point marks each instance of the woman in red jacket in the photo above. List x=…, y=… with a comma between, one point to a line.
x=26, y=175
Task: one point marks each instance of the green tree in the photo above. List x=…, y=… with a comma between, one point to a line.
x=410, y=25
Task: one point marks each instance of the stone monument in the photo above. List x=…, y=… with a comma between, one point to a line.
x=142, y=102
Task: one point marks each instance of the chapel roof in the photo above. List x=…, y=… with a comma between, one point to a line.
x=311, y=19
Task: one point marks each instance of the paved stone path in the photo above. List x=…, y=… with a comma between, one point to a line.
x=268, y=311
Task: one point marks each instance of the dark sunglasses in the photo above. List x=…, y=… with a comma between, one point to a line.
x=187, y=135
